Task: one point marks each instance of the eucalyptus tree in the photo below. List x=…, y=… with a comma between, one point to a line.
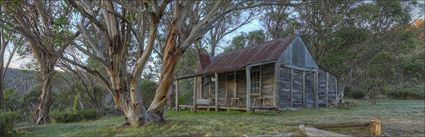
x=121, y=37
x=225, y=26
x=251, y=38
x=46, y=27
x=279, y=21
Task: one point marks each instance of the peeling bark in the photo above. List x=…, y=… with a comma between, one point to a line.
x=132, y=110
x=114, y=33
x=171, y=56
x=41, y=114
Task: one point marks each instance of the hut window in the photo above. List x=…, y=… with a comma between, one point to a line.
x=255, y=80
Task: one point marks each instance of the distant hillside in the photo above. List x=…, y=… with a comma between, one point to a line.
x=21, y=80
x=25, y=80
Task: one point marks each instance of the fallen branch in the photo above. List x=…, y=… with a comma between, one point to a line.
x=374, y=127
x=339, y=125
x=314, y=132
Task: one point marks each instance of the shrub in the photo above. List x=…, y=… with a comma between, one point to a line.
x=406, y=92
x=71, y=116
x=12, y=100
x=356, y=94
x=64, y=116
x=89, y=114
x=148, y=88
x=7, y=122
x=76, y=104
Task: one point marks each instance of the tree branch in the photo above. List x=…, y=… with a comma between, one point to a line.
x=88, y=53
x=89, y=70
x=88, y=15
x=9, y=60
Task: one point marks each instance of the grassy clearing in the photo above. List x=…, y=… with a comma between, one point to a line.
x=399, y=118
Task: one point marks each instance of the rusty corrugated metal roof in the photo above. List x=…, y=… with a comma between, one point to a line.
x=240, y=58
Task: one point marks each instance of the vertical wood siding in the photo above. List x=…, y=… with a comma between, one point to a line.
x=309, y=97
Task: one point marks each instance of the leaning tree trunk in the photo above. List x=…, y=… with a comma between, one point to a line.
x=171, y=56
x=41, y=114
x=158, y=105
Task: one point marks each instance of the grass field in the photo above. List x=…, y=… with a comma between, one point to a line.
x=399, y=118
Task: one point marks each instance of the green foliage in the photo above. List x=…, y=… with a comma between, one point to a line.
x=64, y=116
x=61, y=21
x=94, y=64
x=12, y=99
x=68, y=116
x=185, y=91
x=406, y=91
x=375, y=71
x=185, y=67
x=89, y=114
x=32, y=96
x=76, y=104
x=60, y=100
x=250, y=39
x=355, y=94
x=7, y=123
x=238, y=41
x=148, y=90
x=368, y=45
x=255, y=37
x=415, y=66
x=278, y=22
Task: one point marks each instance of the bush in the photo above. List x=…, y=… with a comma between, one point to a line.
x=406, y=92
x=7, y=122
x=148, y=90
x=71, y=116
x=64, y=116
x=89, y=114
x=356, y=94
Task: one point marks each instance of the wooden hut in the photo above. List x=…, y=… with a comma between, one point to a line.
x=278, y=74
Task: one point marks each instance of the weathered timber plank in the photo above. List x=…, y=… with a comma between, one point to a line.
x=216, y=91
x=339, y=125
x=248, y=89
x=194, y=94
x=177, y=95
x=314, y=132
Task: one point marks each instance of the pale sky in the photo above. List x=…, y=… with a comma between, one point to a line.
x=17, y=61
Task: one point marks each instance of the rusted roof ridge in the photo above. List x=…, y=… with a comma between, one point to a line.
x=247, y=48
x=240, y=58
